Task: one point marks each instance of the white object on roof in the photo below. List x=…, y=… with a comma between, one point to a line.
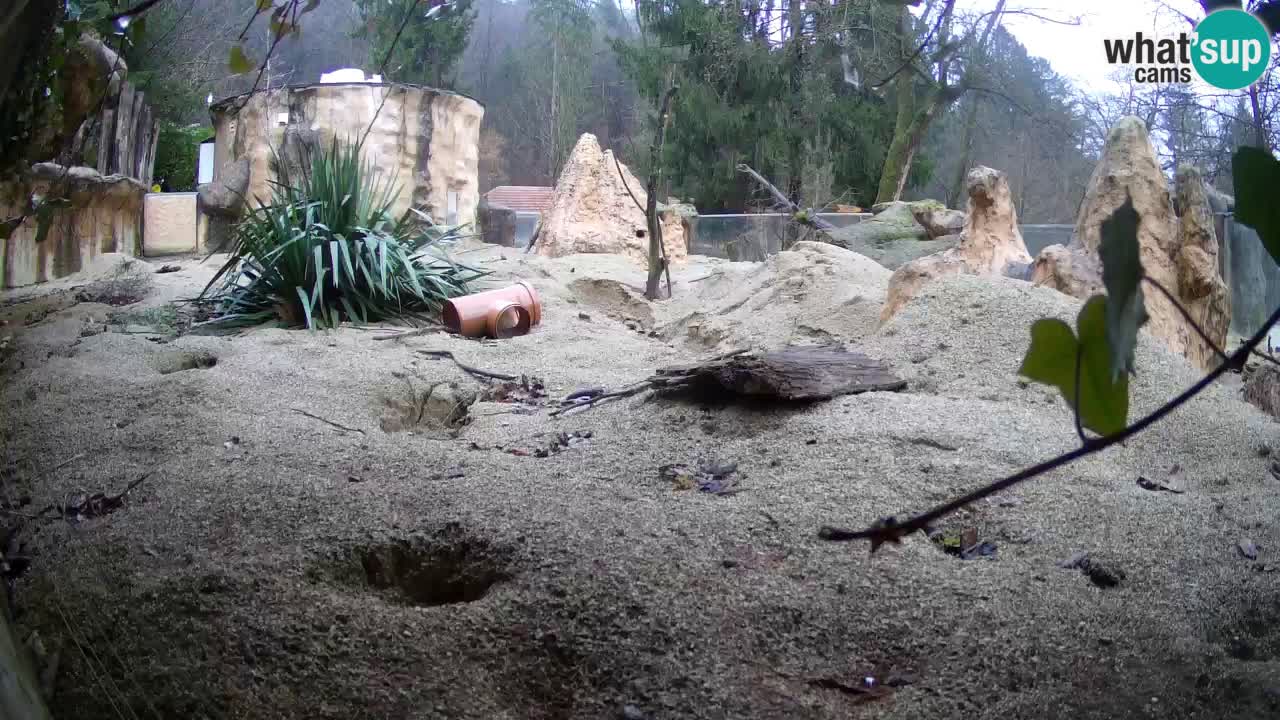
x=348, y=75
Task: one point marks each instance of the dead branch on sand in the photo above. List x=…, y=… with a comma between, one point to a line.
x=790, y=375
x=807, y=218
x=328, y=422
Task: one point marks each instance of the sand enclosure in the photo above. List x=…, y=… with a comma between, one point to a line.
x=289, y=557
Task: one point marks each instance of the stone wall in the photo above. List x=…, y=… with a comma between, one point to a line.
x=105, y=215
x=172, y=224
x=426, y=139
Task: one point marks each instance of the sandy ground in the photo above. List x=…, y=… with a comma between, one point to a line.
x=276, y=566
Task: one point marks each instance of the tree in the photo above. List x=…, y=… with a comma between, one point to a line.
x=766, y=84
x=419, y=43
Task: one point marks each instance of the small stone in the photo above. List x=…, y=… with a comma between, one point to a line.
x=811, y=441
x=1248, y=549
x=584, y=317
x=631, y=712
x=1103, y=575
x=729, y=563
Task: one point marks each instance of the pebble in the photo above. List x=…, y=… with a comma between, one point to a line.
x=631, y=712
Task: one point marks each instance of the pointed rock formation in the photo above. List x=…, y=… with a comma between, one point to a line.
x=1201, y=288
x=1185, y=262
x=990, y=243
x=594, y=210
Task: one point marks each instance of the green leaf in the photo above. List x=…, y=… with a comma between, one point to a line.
x=8, y=225
x=238, y=62
x=1255, y=174
x=1122, y=276
x=264, y=5
x=1051, y=360
x=44, y=215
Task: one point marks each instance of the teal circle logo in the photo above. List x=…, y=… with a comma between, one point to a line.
x=1231, y=49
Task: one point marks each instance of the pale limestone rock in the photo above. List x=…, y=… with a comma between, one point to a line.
x=225, y=196
x=593, y=212
x=424, y=140
x=1183, y=261
x=990, y=243
x=105, y=216
x=1201, y=288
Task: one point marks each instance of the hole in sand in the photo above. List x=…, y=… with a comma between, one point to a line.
x=1254, y=635
x=440, y=571
x=179, y=361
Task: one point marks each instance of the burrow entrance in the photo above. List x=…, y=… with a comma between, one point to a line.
x=429, y=571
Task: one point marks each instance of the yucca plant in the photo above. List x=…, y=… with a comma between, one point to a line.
x=326, y=249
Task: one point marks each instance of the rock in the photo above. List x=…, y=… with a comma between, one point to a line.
x=1179, y=253
x=225, y=196
x=1101, y=573
x=497, y=224
x=938, y=221
x=1201, y=287
x=893, y=222
x=593, y=211
x=448, y=405
x=894, y=253
x=1248, y=550
x=989, y=244
x=423, y=140
x=631, y=712
x=91, y=71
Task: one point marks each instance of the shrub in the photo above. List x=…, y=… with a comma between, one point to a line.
x=326, y=249
x=177, y=151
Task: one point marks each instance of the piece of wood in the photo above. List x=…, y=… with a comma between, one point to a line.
x=812, y=221
x=800, y=374
x=796, y=374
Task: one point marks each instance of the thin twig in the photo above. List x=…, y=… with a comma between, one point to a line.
x=627, y=185
x=467, y=368
x=912, y=58
x=592, y=400
x=409, y=334
x=65, y=463
x=891, y=530
x=328, y=422
x=138, y=9
x=1186, y=315
x=1084, y=439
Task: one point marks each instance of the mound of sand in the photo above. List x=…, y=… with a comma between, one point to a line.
x=276, y=564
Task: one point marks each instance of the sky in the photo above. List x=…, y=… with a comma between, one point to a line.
x=1076, y=51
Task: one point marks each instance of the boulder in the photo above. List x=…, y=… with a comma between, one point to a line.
x=497, y=224
x=1201, y=288
x=892, y=222
x=938, y=220
x=989, y=244
x=597, y=209
x=1130, y=169
x=894, y=253
x=225, y=196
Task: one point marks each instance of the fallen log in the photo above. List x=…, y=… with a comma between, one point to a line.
x=804, y=217
x=795, y=374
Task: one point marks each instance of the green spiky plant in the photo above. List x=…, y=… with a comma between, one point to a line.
x=326, y=249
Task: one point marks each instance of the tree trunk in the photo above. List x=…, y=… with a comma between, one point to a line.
x=966, y=155
x=898, y=158
x=1259, y=130
x=657, y=252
